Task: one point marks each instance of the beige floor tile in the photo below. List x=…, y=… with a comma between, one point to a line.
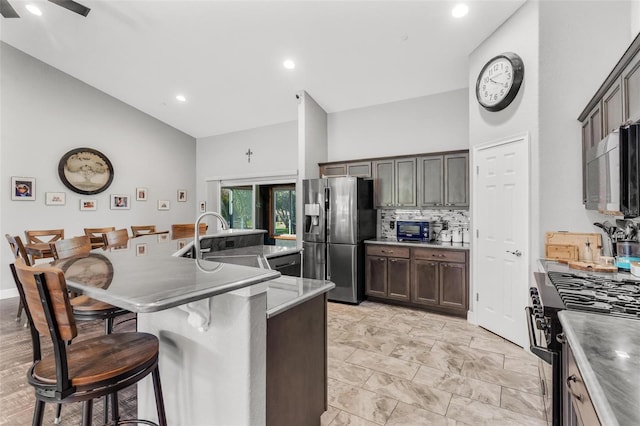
x=348, y=373
x=345, y=419
x=416, y=320
x=371, y=342
x=459, y=338
x=478, y=413
x=499, y=346
x=511, y=379
x=524, y=403
x=466, y=353
x=360, y=402
x=433, y=360
x=386, y=322
x=410, y=415
x=431, y=399
x=459, y=385
x=339, y=350
x=524, y=365
x=328, y=416
x=389, y=365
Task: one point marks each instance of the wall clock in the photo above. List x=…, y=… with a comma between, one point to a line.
x=85, y=171
x=499, y=81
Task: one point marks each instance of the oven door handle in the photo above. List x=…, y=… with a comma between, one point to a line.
x=541, y=352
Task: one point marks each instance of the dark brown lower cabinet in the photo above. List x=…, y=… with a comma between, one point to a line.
x=297, y=364
x=432, y=278
x=388, y=272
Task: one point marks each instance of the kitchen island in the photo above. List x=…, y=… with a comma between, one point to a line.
x=210, y=318
x=607, y=353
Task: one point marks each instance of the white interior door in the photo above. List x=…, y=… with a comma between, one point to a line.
x=501, y=246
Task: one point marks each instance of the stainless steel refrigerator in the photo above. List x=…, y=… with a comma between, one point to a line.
x=338, y=217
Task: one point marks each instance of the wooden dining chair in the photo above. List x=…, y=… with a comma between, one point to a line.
x=19, y=252
x=87, y=369
x=142, y=230
x=44, y=236
x=62, y=249
x=95, y=234
x=115, y=239
x=187, y=230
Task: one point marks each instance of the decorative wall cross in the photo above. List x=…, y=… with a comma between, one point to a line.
x=249, y=153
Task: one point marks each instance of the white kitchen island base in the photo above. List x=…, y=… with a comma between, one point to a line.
x=216, y=376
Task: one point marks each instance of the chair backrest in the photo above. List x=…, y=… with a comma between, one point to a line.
x=46, y=236
x=142, y=229
x=187, y=230
x=116, y=239
x=48, y=283
x=71, y=247
x=95, y=234
x=17, y=248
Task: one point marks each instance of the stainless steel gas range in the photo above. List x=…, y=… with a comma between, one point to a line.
x=606, y=294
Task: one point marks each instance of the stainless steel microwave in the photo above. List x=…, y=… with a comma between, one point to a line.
x=613, y=173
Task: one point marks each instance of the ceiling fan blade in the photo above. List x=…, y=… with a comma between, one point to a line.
x=7, y=11
x=72, y=6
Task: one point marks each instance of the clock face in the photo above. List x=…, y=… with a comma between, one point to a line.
x=499, y=81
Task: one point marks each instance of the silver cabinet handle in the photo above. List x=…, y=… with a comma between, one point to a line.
x=517, y=253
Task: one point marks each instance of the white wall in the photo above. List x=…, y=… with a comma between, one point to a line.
x=425, y=124
x=45, y=113
x=580, y=43
x=635, y=19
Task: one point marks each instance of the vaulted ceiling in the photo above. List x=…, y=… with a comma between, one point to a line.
x=226, y=57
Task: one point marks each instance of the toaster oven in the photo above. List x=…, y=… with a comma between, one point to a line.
x=412, y=230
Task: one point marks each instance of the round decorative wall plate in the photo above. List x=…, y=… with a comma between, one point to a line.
x=85, y=171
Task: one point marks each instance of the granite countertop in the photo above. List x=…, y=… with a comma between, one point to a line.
x=267, y=251
x=547, y=265
x=431, y=244
x=285, y=292
x=607, y=352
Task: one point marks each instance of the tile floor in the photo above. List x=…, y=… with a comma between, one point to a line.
x=390, y=365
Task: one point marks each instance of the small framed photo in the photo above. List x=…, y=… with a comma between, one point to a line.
x=181, y=243
x=23, y=188
x=88, y=204
x=141, y=194
x=203, y=206
x=55, y=198
x=120, y=202
x=141, y=249
x=163, y=238
x=182, y=195
x=164, y=205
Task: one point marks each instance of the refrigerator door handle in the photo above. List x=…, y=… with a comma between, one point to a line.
x=327, y=213
x=328, y=264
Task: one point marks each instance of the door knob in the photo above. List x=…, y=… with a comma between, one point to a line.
x=516, y=253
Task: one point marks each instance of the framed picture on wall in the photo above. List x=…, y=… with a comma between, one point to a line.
x=120, y=202
x=141, y=194
x=182, y=195
x=203, y=206
x=55, y=198
x=141, y=249
x=23, y=188
x=88, y=205
x=164, y=205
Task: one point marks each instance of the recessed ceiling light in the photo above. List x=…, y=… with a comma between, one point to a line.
x=289, y=64
x=181, y=98
x=34, y=9
x=460, y=10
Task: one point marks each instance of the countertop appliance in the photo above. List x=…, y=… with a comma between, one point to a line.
x=413, y=230
x=613, y=173
x=338, y=217
x=606, y=294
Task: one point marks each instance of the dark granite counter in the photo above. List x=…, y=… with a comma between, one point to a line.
x=607, y=352
x=431, y=244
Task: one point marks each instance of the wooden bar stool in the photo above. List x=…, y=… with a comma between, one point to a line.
x=87, y=369
x=19, y=252
x=96, y=235
x=45, y=236
x=142, y=230
x=118, y=238
x=186, y=230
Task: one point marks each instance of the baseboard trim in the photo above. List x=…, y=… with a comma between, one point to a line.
x=8, y=293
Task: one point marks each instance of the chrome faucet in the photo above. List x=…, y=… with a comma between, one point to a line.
x=196, y=238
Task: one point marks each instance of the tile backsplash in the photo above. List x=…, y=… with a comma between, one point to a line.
x=386, y=216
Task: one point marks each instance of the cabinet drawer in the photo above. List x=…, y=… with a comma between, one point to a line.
x=387, y=250
x=580, y=399
x=439, y=254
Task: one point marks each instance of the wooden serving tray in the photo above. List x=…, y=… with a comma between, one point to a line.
x=564, y=252
x=593, y=267
x=575, y=239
